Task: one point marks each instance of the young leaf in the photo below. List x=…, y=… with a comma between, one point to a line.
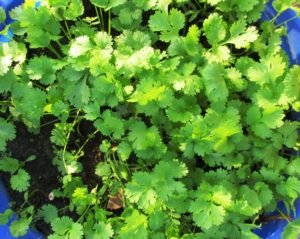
x=168, y=25
x=20, y=181
x=18, y=228
x=48, y=212
x=10, y=165
x=215, y=86
x=136, y=225
x=207, y=214
x=7, y=132
x=2, y=15
x=241, y=36
x=214, y=29
x=102, y=231
x=292, y=230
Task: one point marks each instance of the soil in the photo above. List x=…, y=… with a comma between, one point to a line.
x=44, y=175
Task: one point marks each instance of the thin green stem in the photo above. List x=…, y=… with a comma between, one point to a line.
x=65, y=146
x=65, y=33
x=54, y=52
x=288, y=20
x=102, y=19
x=86, y=141
x=84, y=213
x=68, y=29
x=51, y=122
x=283, y=215
x=109, y=22
x=98, y=16
x=198, y=4
x=58, y=43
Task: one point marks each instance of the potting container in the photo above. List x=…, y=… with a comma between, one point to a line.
x=4, y=229
x=8, y=5
x=273, y=229
x=290, y=20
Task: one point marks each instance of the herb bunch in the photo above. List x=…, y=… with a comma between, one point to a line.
x=189, y=97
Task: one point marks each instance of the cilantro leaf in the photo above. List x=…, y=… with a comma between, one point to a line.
x=146, y=142
x=102, y=231
x=215, y=86
x=136, y=225
x=246, y=5
x=292, y=230
x=107, y=4
x=290, y=188
x=20, y=181
x=292, y=83
x=207, y=214
x=48, y=212
x=7, y=132
x=110, y=124
x=147, y=91
x=168, y=25
x=214, y=28
x=65, y=226
x=80, y=46
x=240, y=36
x=20, y=227
x=74, y=9
x=2, y=15
x=41, y=68
x=10, y=165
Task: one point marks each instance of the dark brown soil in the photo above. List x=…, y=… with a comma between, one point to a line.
x=45, y=176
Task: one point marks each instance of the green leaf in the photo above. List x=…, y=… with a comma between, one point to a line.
x=107, y=4
x=7, y=132
x=48, y=212
x=65, y=226
x=268, y=71
x=20, y=181
x=110, y=124
x=183, y=109
x=215, y=86
x=80, y=46
x=5, y=63
x=2, y=15
x=292, y=230
x=207, y=214
x=102, y=231
x=103, y=169
x=246, y=5
x=292, y=83
x=19, y=227
x=7, y=80
x=5, y=216
x=43, y=69
x=28, y=103
x=74, y=9
x=9, y=165
x=214, y=29
x=280, y=6
x=78, y=93
x=147, y=92
x=290, y=188
x=141, y=190
x=168, y=25
x=146, y=142
x=240, y=36
x=273, y=117
x=136, y=225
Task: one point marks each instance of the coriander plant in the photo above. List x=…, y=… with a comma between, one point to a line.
x=187, y=101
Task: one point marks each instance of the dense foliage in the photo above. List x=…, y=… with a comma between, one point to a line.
x=189, y=97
